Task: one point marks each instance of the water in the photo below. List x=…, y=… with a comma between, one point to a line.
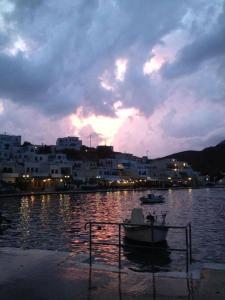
x=57, y=222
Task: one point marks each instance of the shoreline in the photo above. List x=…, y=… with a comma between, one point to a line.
x=87, y=191
x=63, y=192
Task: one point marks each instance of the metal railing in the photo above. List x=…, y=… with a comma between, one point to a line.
x=97, y=225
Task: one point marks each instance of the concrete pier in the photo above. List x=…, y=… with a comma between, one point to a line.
x=47, y=275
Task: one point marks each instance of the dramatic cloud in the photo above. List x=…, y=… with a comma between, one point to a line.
x=33, y=126
x=68, y=46
x=71, y=62
x=205, y=47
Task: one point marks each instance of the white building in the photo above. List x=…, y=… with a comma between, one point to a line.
x=108, y=169
x=36, y=169
x=10, y=171
x=8, y=144
x=140, y=167
x=172, y=170
x=70, y=142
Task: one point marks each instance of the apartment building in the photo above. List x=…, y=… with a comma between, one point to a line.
x=70, y=142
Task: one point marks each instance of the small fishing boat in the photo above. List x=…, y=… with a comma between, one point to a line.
x=145, y=231
x=152, y=198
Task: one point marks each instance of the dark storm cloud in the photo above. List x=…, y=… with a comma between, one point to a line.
x=206, y=46
x=71, y=43
x=4, y=40
x=22, y=78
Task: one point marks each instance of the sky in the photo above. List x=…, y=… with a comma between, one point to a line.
x=147, y=77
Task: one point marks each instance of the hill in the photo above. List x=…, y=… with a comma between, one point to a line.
x=209, y=161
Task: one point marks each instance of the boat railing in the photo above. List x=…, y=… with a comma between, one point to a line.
x=187, y=231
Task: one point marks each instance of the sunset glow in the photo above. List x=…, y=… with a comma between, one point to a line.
x=152, y=65
x=107, y=68
x=106, y=127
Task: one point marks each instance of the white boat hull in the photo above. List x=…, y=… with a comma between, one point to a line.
x=146, y=234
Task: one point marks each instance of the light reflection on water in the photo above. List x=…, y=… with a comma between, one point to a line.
x=58, y=221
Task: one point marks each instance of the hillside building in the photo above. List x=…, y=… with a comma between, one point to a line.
x=70, y=142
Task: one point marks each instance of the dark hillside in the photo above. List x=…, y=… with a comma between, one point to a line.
x=209, y=161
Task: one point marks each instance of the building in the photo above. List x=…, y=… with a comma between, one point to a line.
x=10, y=171
x=8, y=144
x=70, y=142
x=45, y=166
x=172, y=172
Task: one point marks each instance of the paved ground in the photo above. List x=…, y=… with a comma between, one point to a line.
x=52, y=275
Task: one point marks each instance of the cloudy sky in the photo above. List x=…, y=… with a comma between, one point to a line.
x=145, y=76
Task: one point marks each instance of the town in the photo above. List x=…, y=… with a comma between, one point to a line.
x=69, y=165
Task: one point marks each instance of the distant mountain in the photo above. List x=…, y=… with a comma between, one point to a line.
x=221, y=143
x=209, y=161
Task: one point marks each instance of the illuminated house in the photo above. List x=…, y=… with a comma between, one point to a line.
x=172, y=171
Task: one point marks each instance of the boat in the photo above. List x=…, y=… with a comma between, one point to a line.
x=152, y=198
x=140, y=230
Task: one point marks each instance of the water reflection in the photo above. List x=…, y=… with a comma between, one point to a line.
x=44, y=215
x=57, y=221
x=144, y=258
x=25, y=213
x=65, y=209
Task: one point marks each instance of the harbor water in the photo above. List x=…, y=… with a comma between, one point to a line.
x=57, y=222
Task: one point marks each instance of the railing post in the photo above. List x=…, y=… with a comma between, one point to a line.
x=187, y=256
x=90, y=244
x=187, y=249
x=190, y=242
x=119, y=246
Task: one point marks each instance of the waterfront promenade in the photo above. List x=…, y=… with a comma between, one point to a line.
x=47, y=275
